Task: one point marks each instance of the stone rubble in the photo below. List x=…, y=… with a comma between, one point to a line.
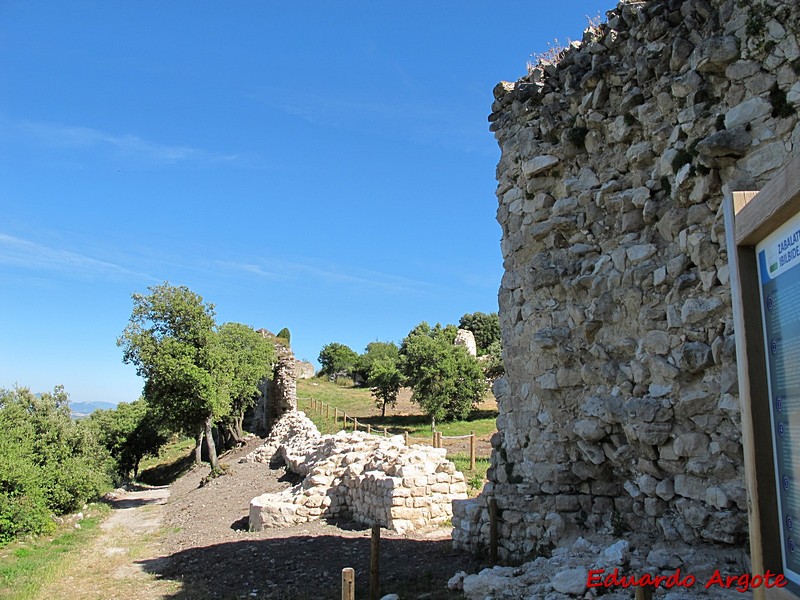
x=619, y=412
x=357, y=476
x=566, y=574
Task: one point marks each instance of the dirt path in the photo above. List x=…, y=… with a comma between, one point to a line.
x=190, y=542
x=108, y=568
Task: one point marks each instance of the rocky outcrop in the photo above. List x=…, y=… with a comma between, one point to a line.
x=358, y=476
x=619, y=412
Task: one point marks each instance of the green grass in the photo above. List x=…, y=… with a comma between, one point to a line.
x=359, y=403
x=25, y=567
x=475, y=477
x=175, y=459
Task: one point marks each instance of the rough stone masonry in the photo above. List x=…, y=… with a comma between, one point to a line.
x=619, y=412
x=355, y=475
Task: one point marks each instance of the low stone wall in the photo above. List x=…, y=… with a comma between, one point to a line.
x=357, y=476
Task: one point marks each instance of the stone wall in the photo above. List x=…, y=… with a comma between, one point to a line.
x=619, y=412
x=355, y=475
x=278, y=393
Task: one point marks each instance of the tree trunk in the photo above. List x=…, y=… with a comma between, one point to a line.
x=383, y=409
x=198, y=447
x=212, y=449
x=239, y=430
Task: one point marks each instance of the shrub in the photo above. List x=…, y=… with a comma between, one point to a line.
x=48, y=462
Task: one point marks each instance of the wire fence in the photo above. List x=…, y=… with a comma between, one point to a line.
x=341, y=420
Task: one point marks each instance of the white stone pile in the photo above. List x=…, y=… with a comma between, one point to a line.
x=355, y=475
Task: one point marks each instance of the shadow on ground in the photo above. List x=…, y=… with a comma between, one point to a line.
x=305, y=567
x=166, y=473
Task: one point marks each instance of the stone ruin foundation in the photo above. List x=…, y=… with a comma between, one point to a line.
x=619, y=412
x=355, y=475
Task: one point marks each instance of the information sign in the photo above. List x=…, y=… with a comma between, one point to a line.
x=778, y=257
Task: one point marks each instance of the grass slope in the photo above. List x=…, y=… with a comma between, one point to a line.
x=27, y=566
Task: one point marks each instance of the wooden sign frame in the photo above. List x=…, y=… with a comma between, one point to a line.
x=750, y=217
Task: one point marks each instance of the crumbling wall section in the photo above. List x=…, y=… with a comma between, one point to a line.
x=278, y=393
x=619, y=411
x=355, y=475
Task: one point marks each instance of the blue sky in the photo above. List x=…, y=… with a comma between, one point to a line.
x=321, y=166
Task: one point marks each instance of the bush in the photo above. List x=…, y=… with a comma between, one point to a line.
x=23, y=515
x=48, y=462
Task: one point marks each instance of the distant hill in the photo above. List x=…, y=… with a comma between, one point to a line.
x=84, y=409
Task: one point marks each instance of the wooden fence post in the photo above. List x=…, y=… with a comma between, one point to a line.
x=327, y=411
x=385, y=432
x=374, y=563
x=355, y=424
x=434, y=439
x=644, y=593
x=493, y=530
x=369, y=428
x=335, y=417
x=472, y=450
x=405, y=437
x=348, y=583
x=439, y=439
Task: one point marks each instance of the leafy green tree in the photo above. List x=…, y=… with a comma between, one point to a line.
x=385, y=379
x=446, y=381
x=337, y=358
x=284, y=334
x=485, y=328
x=492, y=361
x=373, y=352
x=171, y=340
x=130, y=432
x=251, y=358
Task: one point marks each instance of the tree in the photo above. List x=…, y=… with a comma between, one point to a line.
x=485, y=328
x=130, y=432
x=171, y=340
x=385, y=379
x=492, y=361
x=337, y=358
x=250, y=358
x=284, y=334
x=373, y=352
x=446, y=381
